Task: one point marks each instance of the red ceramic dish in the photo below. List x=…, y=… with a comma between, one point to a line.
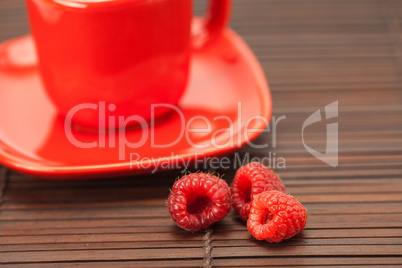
x=226, y=84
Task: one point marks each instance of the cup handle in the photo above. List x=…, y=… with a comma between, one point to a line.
x=210, y=27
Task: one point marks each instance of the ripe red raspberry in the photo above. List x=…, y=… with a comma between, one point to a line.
x=275, y=216
x=252, y=179
x=198, y=200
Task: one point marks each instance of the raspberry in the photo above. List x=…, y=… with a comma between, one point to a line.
x=198, y=200
x=275, y=216
x=252, y=179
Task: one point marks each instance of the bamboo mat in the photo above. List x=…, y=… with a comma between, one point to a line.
x=314, y=52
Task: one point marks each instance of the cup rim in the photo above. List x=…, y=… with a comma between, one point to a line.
x=93, y=4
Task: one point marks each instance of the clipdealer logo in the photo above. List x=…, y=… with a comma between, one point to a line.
x=187, y=128
x=331, y=152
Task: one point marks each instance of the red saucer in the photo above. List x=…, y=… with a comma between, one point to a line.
x=33, y=140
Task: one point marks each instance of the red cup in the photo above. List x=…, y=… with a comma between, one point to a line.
x=123, y=54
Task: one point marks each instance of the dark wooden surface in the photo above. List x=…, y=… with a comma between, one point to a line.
x=313, y=52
